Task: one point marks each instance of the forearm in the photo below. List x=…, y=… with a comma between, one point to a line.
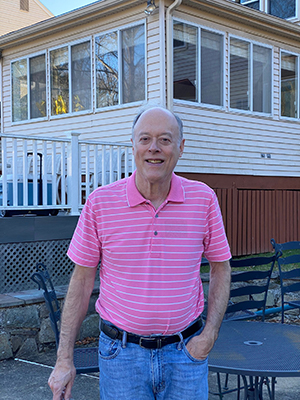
x=75, y=308
x=218, y=296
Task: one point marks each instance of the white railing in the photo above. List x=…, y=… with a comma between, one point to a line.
x=42, y=175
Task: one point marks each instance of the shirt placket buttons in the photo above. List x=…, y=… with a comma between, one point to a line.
x=155, y=232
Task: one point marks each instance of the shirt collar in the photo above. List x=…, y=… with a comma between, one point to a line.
x=175, y=195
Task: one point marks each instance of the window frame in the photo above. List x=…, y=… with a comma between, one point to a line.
x=252, y=43
x=27, y=58
x=283, y=117
x=118, y=30
x=199, y=29
x=69, y=45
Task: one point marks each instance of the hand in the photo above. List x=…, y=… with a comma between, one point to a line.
x=200, y=346
x=61, y=380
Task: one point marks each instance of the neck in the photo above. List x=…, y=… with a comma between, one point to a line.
x=154, y=192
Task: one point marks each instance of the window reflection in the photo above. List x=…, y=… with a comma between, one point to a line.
x=289, y=85
x=185, y=61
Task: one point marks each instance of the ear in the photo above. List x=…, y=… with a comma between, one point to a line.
x=132, y=142
x=181, y=147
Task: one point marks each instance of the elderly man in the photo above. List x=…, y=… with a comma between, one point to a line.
x=149, y=231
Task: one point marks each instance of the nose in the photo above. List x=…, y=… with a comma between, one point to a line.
x=154, y=147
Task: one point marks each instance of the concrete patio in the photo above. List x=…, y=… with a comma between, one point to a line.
x=27, y=380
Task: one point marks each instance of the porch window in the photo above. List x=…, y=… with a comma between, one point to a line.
x=29, y=88
x=19, y=91
x=70, y=82
x=59, y=81
x=81, y=77
x=262, y=72
x=185, y=61
x=107, y=70
x=197, y=58
x=250, y=76
x=120, y=67
x=289, y=85
x=133, y=64
x=211, y=68
x=37, y=87
x=239, y=74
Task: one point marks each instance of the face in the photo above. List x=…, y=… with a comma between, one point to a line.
x=156, y=146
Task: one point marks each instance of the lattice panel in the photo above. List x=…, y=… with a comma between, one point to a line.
x=18, y=260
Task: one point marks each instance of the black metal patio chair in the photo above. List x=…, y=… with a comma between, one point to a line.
x=85, y=358
x=248, y=299
x=290, y=278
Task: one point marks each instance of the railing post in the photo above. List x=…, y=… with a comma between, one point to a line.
x=73, y=190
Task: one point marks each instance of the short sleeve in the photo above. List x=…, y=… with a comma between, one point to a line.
x=216, y=247
x=85, y=246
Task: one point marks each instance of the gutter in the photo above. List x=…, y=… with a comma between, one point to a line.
x=169, y=44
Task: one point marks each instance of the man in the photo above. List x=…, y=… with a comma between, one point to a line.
x=149, y=231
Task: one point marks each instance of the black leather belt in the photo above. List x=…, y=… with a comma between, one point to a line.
x=147, y=342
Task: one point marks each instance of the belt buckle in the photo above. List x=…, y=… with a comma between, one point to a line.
x=151, y=339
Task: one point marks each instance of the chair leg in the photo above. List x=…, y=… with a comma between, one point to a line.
x=219, y=386
x=226, y=382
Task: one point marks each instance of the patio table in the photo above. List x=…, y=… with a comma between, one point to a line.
x=257, y=350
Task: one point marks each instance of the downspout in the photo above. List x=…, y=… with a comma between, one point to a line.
x=162, y=46
x=1, y=94
x=169, y=21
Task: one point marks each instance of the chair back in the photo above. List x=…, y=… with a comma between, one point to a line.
x=288, y=260
x=249, y=289
x=289, y=273
x=42, y=278
x=293, y=245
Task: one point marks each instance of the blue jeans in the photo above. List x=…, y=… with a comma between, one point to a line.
x=130, y=372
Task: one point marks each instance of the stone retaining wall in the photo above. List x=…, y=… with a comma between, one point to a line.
x=25, y=329
x=25, y=325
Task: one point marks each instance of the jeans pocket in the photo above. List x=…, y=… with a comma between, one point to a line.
x=108, y=348
x=187, y=353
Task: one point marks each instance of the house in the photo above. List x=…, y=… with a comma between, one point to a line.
x=229, y=70
x=15, y=14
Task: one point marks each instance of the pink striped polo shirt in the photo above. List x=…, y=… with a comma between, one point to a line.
x=150, y=259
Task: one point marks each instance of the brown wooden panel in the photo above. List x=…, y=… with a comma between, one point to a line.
x=252, y=217
x=246, y=181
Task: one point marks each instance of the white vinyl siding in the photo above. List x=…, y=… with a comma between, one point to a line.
x=219, y=143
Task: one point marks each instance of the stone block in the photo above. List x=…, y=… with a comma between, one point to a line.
x=16, y=343
x=46, y=334
x=90, y=327
x=271, y=299
x=5, y=348
x=44, y=313
x=22, y=317
x=28, y=348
